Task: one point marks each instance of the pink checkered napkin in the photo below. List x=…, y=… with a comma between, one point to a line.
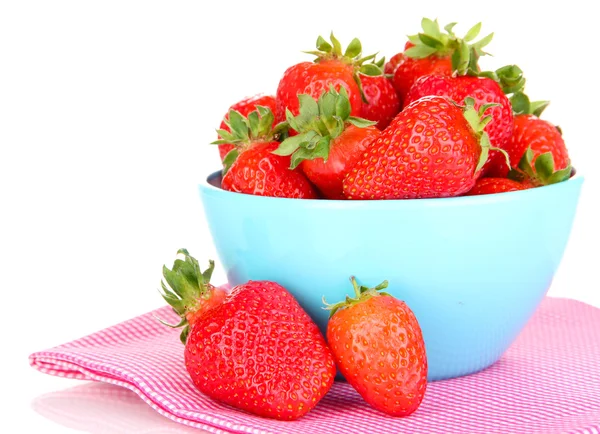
x=548, y=382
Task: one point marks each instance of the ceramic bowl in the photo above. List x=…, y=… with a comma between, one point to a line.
x=473, y=269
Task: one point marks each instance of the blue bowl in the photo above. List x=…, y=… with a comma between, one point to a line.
x=473, y=269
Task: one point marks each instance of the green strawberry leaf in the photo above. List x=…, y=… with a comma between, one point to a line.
x=323, y=45
x=308, y=106
x=317, y=124
x=253, y=122
x=537, y=107
x=544, y=165
x=292, y=143
x=463, y=52
x=360, y=122
x=461, y=57
x=419, y=51
x=520, y=103
x=450, y=28
x=485, y=150
x=327, y=105
x=238, y=125
x=483, y=42
x=361, y=293
x=337, y=47
x=370, y=69
x=472, y=33
x=414, y=39
x=544, y=172
x=300, y=155
x=230, y=159
x=430, y=41
x=431, y=28
x=354, y=48
x=342, y=104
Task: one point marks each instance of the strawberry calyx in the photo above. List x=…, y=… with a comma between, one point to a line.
x=541, y=172
x=511, y=80
x=186, y=288
x=256, y=127
x=351, y=56
x=522, y=105
x=362, y=293
x=478, y=121
x=318, y=123
x=464, y=53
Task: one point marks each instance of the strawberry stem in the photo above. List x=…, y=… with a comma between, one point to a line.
x=435, y=42
x=256, y=127
x=351, y=56
x=184, y=286
x=541, y=172
x=318, y=123
x=361, y=293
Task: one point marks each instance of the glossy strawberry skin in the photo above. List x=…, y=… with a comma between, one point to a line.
x=429, y=150
x=483, y=91
x=259, y=351
x=541, y=135
x=391, y=65
x=345, y=150
x=314, y=79
x=260, y=172
x=383, y=102
x=495, y=185
x=378, y=347
x=204, y=304
x=245, y=106
x=409, y=70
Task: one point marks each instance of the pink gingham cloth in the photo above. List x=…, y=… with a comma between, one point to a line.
x=547, y=382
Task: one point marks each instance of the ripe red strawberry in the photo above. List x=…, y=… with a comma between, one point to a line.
x=431, y=149
x=244, y=107
x=391, y=65
x=495, y=185
x=378, y=346
x=252, y=167
x=329, y=140
x=434, y=52
x=257, y=350
x=382, y=103
x=331, y=67
x=531, y=132
x=484, y=91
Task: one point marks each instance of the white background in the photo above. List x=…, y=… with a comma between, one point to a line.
x=106, y=112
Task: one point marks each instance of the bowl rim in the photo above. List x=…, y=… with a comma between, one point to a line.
x=206, y=187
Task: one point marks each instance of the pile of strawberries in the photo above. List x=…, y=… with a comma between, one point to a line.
x=428, y=123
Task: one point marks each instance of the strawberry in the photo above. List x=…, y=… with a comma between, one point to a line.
x=329, y=140
x=537, y=170
x=484, y=91
x=252, y=167
x=331, y=67
x=244, y=107
x=257, y=350
x=541, y=138
x=434, y=52
x=382, y=103
x=433, y=148
x=495, y=185
x=194, y=294
x=378, y=346
x=391, y=65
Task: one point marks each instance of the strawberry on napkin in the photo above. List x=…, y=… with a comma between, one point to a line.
x=548, y=381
